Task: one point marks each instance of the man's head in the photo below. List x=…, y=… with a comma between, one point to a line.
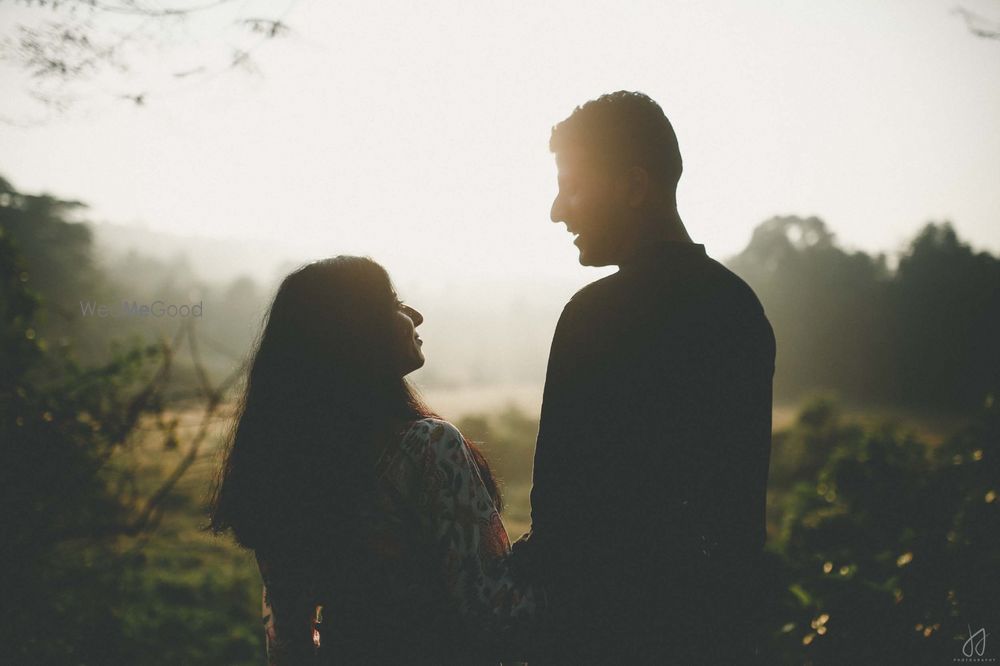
x=619, y=165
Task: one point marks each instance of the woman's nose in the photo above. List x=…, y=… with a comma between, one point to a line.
x=556, y=212
x=415, y=315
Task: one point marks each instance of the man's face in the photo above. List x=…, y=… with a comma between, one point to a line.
x=590, y=207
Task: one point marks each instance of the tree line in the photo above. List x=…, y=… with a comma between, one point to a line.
x=925, y=333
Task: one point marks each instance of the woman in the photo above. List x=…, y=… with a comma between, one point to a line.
x=375, y=524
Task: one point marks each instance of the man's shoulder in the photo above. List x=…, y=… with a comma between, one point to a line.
x=732, y=300
x=588, y=308
x=724, y=279
x=703, y=289
x=597, y=291
x=708, y=277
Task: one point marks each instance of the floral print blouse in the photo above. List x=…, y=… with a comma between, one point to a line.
x=440, y=551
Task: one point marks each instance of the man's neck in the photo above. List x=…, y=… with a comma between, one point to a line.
x=662, y=227
x=656, y=229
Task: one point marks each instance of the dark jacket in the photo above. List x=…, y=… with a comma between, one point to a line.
x=651, y=465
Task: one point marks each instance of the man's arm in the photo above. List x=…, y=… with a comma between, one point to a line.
x=732, y=481
x=555, y=476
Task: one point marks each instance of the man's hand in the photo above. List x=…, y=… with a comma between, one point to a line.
x=524, y=558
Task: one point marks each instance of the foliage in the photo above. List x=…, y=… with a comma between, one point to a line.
x=53, y=489
x=188, y=597
x=87, y=577
x=946, y=300
x=887, y=550
x=810, y=289
x=881, y=546
x=56, y=258
x=922, y=335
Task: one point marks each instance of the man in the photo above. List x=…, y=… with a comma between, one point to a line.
x=652, y=455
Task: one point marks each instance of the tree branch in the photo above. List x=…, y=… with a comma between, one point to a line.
x=151, y=513
x=979, y=26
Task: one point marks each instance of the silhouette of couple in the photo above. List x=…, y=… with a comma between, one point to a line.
x=376, y=524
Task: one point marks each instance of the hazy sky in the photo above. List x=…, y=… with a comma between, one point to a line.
x=417, y=132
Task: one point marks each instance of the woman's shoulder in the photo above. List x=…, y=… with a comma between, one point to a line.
x=431, y=435
x=431, y=451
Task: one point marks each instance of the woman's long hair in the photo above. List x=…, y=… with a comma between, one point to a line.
x=322, y=393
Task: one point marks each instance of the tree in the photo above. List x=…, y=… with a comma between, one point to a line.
x=947, y=308
x=55, y=496
x=70, y=492
x=56, y=254
x=923, y=335
x=828, y=307
x=71, y=50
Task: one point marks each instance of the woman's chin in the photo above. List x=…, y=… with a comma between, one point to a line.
x=414, y=366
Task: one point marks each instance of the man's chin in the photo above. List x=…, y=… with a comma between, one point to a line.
x=590, y=259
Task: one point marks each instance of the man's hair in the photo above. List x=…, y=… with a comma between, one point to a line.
x=621, y=130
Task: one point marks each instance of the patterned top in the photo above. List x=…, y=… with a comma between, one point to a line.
x=431, y=582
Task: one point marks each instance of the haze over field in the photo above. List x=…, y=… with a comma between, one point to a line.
x=418, y=134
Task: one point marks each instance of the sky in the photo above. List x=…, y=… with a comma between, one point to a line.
x=417, y=133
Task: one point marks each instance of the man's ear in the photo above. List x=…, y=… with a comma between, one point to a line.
x=634, y=186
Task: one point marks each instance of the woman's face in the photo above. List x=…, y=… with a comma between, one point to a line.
x=406, y=341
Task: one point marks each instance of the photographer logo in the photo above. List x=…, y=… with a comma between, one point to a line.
x=974, y=648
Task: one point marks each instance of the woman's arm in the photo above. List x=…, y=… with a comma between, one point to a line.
x=435, y=472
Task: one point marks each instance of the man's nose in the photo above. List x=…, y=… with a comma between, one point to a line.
x=556, y=212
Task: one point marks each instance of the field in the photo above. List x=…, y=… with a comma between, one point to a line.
x=194, y=598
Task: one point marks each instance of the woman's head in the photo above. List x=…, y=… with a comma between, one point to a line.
x=407, y=341
x=325, y=388
x=340, y=319
x=324, y=383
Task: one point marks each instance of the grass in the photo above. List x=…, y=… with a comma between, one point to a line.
x=191, y=597
x=195, y=598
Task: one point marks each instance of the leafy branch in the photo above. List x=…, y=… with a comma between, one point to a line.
x=72, y=50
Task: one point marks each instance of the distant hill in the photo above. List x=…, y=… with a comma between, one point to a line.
x=211, y=259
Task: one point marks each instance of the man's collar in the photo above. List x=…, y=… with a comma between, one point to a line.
x=660, y=251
